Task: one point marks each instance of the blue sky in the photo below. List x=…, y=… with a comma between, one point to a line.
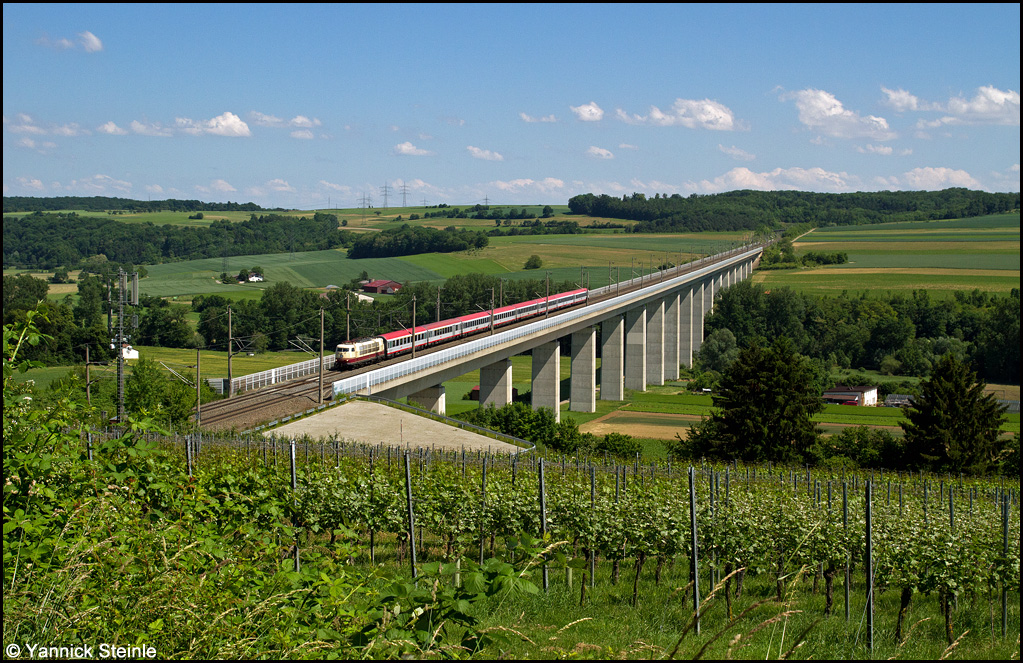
x=305, y=106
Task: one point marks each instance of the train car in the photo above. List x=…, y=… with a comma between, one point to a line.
x=358, y=352
x=399, y=342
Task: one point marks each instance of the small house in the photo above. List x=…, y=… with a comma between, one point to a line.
x=851, y=395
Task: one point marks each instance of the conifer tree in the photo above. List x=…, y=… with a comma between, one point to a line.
x=953, y=425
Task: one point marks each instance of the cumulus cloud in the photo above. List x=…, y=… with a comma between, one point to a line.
x=90, y=42
x=99, y=185
x=932, y=179
x=216, y=186
x=87, y=42
x=779, y=179
x=526, y=185
x=689, y=113
x=112, y=129
x=150, y=129
x=988, y=106
x=31, y=183
x=530, y=118
x=599, y=153
x=883, y=150
x=486, y=155
x=902, y=101
x=590, y=112
x=225, y=124
x=407, y=149
x=822, y=112
x=302, y=134
x=736, y=153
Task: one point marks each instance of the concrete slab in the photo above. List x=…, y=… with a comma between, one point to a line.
x=373, y=423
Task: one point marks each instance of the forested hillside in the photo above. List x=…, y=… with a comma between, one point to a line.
x=750, y=210
x=42, y=240
x=106, y=204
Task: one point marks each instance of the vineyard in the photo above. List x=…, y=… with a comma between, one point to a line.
x=577, y=525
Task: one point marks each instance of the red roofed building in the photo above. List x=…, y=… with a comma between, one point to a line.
x=382, y=287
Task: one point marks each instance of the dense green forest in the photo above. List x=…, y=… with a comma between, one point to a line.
x=114, y=205
x=46, y=241
x=750, y=210
x=409, y=240
x=893, y=333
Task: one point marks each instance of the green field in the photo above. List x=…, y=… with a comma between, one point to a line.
x=939, y=256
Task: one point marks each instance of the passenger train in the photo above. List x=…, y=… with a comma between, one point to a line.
x=376, y=348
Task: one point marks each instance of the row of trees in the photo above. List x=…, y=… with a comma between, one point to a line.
x=749, y=210
x=411, y=240
x=107, y=204
x=898, y=334
x=46, y=241
x=769, y=395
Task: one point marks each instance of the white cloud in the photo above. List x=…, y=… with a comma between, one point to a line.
x=99, y=185
x=932, y=179
x=902, y=101
x=87, y=41
x=302, y=134
x=883, y=150
x=25, y=125
x=736, y=153
x=486, y=155
x=526, y=185
x=33, y=183
x=225, y=124
x=689, y=113
x=599, y=153
x=407, y=149
x=545, y=118
x=216, y=186
x=264, y=120
x=590, y=112
x=627, y=146
x=988, y=106
x=304, y=122
x=150, y=129
x=821, y=111
x=112, y=129
x=791, y=179
x=90, y=42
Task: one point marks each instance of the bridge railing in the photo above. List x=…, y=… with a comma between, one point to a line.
x=280, y=374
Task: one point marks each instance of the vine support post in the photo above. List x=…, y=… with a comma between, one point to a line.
x=411, y=514
x=294, y=501
x=543, y=524
x=693, y=561
x=869, y=564
x=845, y=527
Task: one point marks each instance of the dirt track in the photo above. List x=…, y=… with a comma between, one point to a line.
x=373, y=423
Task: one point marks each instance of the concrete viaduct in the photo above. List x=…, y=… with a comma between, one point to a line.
x=644, y=336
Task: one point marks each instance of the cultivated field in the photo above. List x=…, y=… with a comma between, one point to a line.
x=940, y=256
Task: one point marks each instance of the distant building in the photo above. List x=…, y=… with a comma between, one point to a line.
x=382, y=287
x=255, y=277
x=851, y=395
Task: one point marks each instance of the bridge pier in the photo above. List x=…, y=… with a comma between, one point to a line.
x=635, y=349
x=699, y=300
x=496, y=384
x=655, y=343
x=431, y=398
x=612, y=361
x=685, y=327
x=671, y=336
x=547, y=377
x=583, y=394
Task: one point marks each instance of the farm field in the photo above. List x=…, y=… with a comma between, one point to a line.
x=563, y=258
x=939, y=256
